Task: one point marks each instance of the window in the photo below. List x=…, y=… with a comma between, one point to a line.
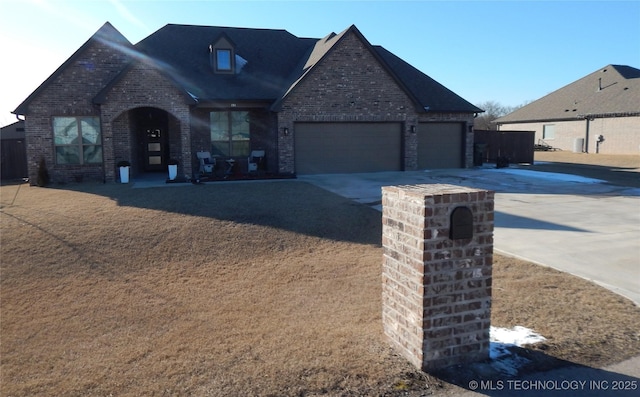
x=223, y=60
x=548, y=131
x=77, y=140
x=230, y=133
x=222, y=55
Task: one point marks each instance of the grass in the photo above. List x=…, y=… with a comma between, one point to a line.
x=259, y=289
x=623, y=161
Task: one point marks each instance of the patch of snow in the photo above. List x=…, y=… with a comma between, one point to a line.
x=501, y=339
x=517, y=336
x=547, y=175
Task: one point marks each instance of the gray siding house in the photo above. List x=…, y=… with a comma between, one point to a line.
x=329, y=105
x=599, y=113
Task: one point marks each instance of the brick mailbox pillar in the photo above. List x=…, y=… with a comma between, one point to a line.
x=436, y=277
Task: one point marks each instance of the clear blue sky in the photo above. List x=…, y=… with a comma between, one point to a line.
x=510, y=52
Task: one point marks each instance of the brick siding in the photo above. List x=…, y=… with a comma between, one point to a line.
x=620, y=133
x=436, y=290
x=70, y=93
x=144, y=86
x=350, y=85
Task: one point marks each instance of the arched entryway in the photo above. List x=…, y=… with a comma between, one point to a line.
x=148, y=137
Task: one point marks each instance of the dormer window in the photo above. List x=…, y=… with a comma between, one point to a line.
x=222, y=55
x=223, y=60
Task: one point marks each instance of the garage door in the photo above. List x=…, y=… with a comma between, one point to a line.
x=329, y=148
x=440, y=145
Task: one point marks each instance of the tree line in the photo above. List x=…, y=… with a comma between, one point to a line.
x=492, y=110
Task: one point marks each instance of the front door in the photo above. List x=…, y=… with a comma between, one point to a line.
x=152, y=127
x=154, y=149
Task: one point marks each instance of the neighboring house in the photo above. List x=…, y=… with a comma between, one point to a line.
x=336, y=104
x=599, y=113
x=13, y=152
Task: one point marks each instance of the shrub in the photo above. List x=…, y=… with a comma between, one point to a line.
x=43, y=173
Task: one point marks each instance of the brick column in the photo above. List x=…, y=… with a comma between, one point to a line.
x=436, y=277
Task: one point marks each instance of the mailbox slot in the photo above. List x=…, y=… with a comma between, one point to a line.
x=461, y=226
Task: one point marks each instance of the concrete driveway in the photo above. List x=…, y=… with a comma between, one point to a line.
x=581, y=226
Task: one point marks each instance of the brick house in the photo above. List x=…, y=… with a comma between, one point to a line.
x=336, y=104
x=599, y=113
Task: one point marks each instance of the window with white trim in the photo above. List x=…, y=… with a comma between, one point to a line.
x=77, y=140
x=548, y=131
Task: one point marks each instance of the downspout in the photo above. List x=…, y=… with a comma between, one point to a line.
x=586, y=134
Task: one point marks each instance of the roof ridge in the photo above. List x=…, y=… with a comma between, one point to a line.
x=221, y=27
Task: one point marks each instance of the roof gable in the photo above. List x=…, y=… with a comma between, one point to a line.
x=610, y=91
x=426, y=93
x=143, y=63
x=430, y=95
x=322, y=49
x=313, y=57
x=107, y=35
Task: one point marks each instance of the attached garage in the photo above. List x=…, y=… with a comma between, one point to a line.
x=329, y=148
x=440, y=145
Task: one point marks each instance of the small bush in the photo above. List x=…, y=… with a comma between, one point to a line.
x=43, y=174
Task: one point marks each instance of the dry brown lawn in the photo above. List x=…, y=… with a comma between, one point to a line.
x=622, y=170
x=627, y=161
x=254, y=289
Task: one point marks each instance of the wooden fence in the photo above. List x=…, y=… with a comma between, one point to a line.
x=13, y=160
x=515, y=146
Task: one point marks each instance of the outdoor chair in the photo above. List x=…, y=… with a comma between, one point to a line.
x=207, y=163
x=255, y=160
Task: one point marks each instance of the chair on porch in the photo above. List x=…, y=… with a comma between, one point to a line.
x=255, y=160
x=207, y=163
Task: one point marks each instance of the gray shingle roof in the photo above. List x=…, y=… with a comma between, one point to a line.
x=428, y=94
x=276, y=61
x=271, y=56
x=432, y=96
x=613, y=90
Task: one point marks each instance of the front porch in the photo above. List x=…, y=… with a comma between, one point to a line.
x=149, y=180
